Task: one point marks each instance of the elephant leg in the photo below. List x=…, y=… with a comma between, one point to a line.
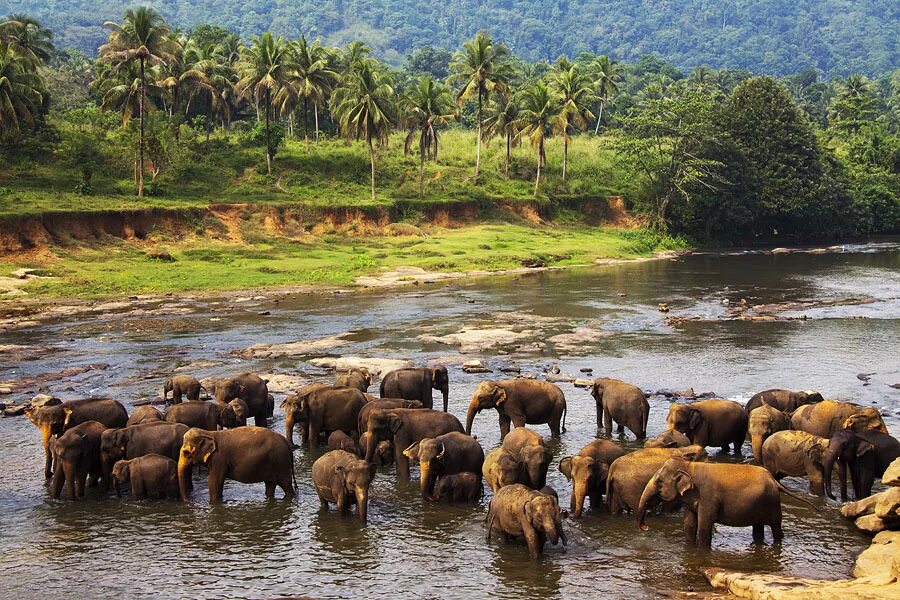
x=323, y=503
x=80, y=481
x=607, y=421
x=777, y=531
x=705, y=524
x=260, y=420
x=690, y=526
x=138, y=490
x=216, y=484
x=531, y=538
x=759, y=532
x=313, y=437
x=842, y=475
x=504, y=426
x=270, y=490
x=596, y=499
x=599, y=414
x=48, y=463
x=401, y=460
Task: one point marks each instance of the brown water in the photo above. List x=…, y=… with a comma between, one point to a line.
x=103, y=547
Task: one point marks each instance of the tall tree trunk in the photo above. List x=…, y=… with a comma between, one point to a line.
x=421, y=168
x=478, y=145
x=565, y=155
x=540, y=160
x=599, y=118
x=141, y=166
x=291, y=124
x=506, y=164
x=316, y=114
x=268, y=140
x=306, y=122
x=372, y=161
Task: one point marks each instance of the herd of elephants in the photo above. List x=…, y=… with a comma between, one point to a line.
x=94, y=441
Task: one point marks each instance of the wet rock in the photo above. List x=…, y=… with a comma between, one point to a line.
x=44, y=400
x=472, y=340
x=264, y=313
x=864, y=376
x=376, y=366
x=896, y=386
x=475, y=366
x=583, y=383
x=552, y=369
x=891, y=475
x=298, y=348
x=662, y=307
x=14, y=410
x=860, y=508
x=554, y=378
x=688, y=393
x=586, y=370
x=510, y=369
x=881, y=560
x=283, y=383
x=887, y=508
x=578, y=339
x=869, y=523
x=25, y=383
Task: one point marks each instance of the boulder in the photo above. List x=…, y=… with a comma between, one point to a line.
x=376, y=366
x=887, y=507
x=870, y=523
x=892, y=474
x=855, y=510
x=474, y=366
x=298, y=348
x=881, y=559
x=583, y=383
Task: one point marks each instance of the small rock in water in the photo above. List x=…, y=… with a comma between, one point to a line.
x=586, y=370
x=688, y=393
x=555, y=378
x=264, y=313
x=663, y=307
x=621, y=294
x=896, y=386
x=554, y=369
x=864, y=376
x=583, y=383
x=475, y=366
x=510, y=369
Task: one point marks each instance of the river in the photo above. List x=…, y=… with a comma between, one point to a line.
x=248, y=547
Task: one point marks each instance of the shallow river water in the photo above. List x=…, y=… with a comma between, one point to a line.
x=248, y=547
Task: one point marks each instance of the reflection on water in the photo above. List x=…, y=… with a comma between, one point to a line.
x=253, y=547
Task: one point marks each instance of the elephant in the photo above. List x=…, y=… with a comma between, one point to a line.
x=338, y=440
x=791, y=453
x=730, y=494
x=628, y=475
x=869, y=419
x=446, y=454
x=403, y=426
x=867, y=454
x=416, y=384
x=55, y=419
x=144, y=414
x=827, y=417
x=384, y=403
x=459, y=487
x=502, y=468
x=322, y=409
x=763, y=422
x=77, y=456
x=668, y=439
x=713, y=422
x=181, y=385
x=520, y=402
x=532, y=453
x=784, y=400
x=343, y=478
x=139, y=440
x=206, y=415
x=245, y=454
x=250, y=388
x=588, y=471
x=150, y=475
x=383, y=453
x=518, y=511
x=355, y=378
x=623, y=403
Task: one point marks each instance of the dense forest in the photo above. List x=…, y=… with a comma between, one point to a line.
x=838, y=37
x=717, y=155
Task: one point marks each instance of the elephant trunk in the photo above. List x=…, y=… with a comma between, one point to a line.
x=828, y=466
x=184, y=477
x=756, y=441
x=426, y=480
x=647, y=497
x=362, y=504
x=289, y=429
x=470, y=415
x=579, y=491
x=56, y=483
x=538, y=476
x=552, y=533
x=445, y=392
x=46, y=434
x=106, y=464
x=370, y=448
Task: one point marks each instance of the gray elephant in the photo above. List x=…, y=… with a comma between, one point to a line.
x=714, y=422
x=623, y=403
x=588, y=471
x=355, y=378
x=181, y=385
x=628, y=475
x=792, y=453
x=77, y=456
x=502, y=468
x=520, y=402
x=764, y=421
x=145, y=414
x=338, y=440
x=404, y=426
x=385, y=403
x=532, y=453
x=322, y=409
x=416, y=384
x=459, y=487
x=520, y=512
x=208, y=415
x=151, y=475
x=446, y=454
x=139, y=440
x=668, y=439
x=343, y=478
x=250, y=388
x=382, y=455
x=828, y=417
x=784, y=400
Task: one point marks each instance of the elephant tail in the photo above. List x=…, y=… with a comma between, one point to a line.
x=565, y=412
x=784, y=490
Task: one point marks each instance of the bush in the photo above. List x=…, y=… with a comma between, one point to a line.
x=84, y=188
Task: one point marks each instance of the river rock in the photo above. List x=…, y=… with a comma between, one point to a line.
x=887, y=507
x=298, y=348
x=554, y=378
x=510, y=369
x=282, y=383
x=579, y=339
x=881, y=559
x=473, y=340
x=892, y=474
x=474, y=366
x=870, y=523
x=855, y=510
x=376, y=366
x=583, y=383
x=44, y=400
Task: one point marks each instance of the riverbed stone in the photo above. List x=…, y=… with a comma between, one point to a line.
x=583, y=383
x=887, y=507
x=855, y=510
x=561, y=378
x=298, y=348
x=870, y=523
x=891, y=475
x=475, y=366
x=376, y=366
x=475, y=340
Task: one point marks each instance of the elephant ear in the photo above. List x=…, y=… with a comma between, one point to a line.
x=209, y=447
x=695, y=418
x=527, y=509
x=395, y=423
x=501, y=396
x=597, y=391
x=683, y=482
x=864, y=447
x=565, y=467
x=412, y=452
x=68, y=412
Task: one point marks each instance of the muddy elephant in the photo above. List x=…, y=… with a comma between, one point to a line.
x=343, y=478
x=628, y=475
x=322, y=409
x=623, y=403
x=404, y=426
x=460, y=487
x=250, y=388
x=532, y=453
x=784, y=400
x=77, y=456
x=827, y=417
x=763, y=422
x=181, y=385
x=145, y=414
x=54, y=420
x=416, y=384
x=587, y=471
x=446, y=454
x=245, y=454
x=668, y=439
x=207, y=415
x=338, y=440
x=792, y=453
x=355, y=378
x=501, y=468
x=730, y=494
x=714, y=422
x=866, y=454
x=520, y=402
x=151, y=476
x=518, y=511
x=139, y=440
x=865, y=420
x=383, y=452
x=364, y=412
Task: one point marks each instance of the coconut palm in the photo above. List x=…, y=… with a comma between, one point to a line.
x=309, y=78
x=481, y=68
x=427, y=105
x=216, y=96
x=364, y=107
x=27, y=38
x=539, y=110
x=356, y=51
x=181, y=76
x=608, y=75
x=575, y=93
x=120, y=89
x=263, y=69
x=502, y=120
x=21, y=90
x=145, y=38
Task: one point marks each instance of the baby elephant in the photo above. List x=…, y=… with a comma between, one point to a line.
x=338, y=440
x=151, y=475
x=344, y=479
x=181, y=385
x=517, y=511
x=587, y=471
x=461, y=487
x=383, y=453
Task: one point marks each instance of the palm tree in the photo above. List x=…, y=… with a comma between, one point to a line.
x=356, y=51
x=27, y=38
x=364, y=107
x=702, y=77
x=427, y=106
x=142, y=37
x=218, y=77
x=502, y=119
x=608, y=75
x=182, y=76
x=540, y=108
x=482, y=68
x=310, y=78
x=120, y=90
x=21, y=90
x=263, y=69
x=575, y=95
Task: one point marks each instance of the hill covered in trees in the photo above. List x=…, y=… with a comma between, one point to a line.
x=763, y=36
